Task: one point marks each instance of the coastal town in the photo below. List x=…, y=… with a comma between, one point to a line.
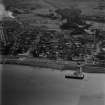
x=52, y=52
x=60, y=34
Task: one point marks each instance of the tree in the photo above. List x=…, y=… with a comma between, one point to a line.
x=72, y=15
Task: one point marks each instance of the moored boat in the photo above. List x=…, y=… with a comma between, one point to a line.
x=75, y=75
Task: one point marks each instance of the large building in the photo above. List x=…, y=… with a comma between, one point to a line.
x=9, y=28
x=2, y=36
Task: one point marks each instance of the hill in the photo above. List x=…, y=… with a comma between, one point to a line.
x=87, y=6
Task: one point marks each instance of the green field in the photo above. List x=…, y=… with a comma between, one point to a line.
x=87, y=6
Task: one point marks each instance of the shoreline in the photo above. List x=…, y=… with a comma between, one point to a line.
x=53, y=64
x=40, y=62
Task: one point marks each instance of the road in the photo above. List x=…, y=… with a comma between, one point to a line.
x=23, y=85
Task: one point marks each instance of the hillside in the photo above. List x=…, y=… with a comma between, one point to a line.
x=27, y=10
x=87, y=6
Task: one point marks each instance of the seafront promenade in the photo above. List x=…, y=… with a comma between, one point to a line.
x=53, y=64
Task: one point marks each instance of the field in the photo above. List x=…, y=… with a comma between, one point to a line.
x=30, y=8
x=87, y=6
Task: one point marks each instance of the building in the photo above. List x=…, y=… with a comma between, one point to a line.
x=2, y=36
x=9, y=28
